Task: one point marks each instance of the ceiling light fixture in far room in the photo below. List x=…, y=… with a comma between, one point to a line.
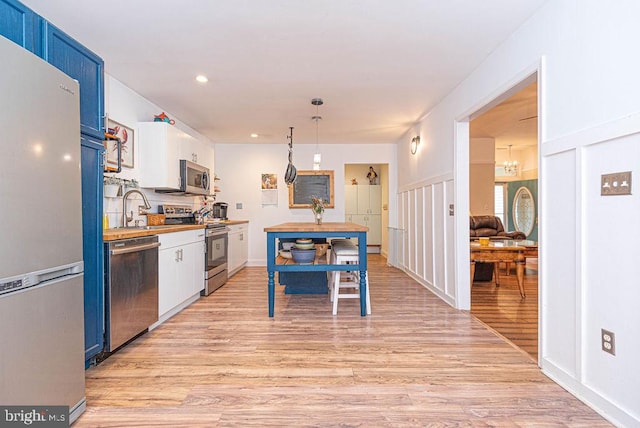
x=317, y=157
x=415, y=142
x=510, y=167
x=254, y=135
x=201, y=78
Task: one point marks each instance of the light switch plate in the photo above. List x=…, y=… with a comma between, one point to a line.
x=617, y=183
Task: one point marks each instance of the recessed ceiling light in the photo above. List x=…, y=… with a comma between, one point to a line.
x=254, y=135
x=202, y=78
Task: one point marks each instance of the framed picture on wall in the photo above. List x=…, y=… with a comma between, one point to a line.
x=126, y=136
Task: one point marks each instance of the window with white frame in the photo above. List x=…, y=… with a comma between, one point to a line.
x=500, y=198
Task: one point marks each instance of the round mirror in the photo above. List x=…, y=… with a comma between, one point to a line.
x=524, y=211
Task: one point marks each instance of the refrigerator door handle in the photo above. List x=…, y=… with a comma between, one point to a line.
x=32, y=279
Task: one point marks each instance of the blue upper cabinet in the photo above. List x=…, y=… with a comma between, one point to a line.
x=87, y=68
x=21, y=25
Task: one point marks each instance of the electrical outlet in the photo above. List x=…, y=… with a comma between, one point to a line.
x=239, y=205
x=617, y=183
x=608, y=341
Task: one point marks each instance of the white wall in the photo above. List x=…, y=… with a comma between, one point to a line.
x=127, y=107
x=589, y=99
x=482, y=171
x=240, y=166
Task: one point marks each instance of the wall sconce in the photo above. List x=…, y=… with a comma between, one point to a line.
x=415, y=141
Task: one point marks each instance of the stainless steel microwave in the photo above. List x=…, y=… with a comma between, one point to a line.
x=194, y=178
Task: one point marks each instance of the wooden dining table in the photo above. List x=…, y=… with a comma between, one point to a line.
x=497, y=252
x=326, y=230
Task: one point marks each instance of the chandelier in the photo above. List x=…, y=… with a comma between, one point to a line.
x=317, y=157
x=510, y=167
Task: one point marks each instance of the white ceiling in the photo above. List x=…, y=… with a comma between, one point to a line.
x=514, y=121
x=379, y=65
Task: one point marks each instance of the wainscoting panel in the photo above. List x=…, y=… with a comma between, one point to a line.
x=428, y=235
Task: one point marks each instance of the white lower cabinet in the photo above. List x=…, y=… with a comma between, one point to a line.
x=180, y=271
x=373, y=222
x=238, y=247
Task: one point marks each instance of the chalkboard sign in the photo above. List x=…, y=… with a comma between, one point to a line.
x=310, y=184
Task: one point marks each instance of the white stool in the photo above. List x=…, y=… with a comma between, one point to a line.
x=345, y=254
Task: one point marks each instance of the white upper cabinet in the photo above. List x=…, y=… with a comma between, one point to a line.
x=350, y=199
x=362, y=199
x=369, y=199
x=197, y=152
x=161, y=146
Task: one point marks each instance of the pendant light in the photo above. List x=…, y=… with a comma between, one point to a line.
x=511, y=167
x=317, y=157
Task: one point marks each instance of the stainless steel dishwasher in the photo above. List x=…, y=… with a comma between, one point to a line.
x=131, y=291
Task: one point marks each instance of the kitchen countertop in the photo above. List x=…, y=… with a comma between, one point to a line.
x=232, y=222
x=121, y=233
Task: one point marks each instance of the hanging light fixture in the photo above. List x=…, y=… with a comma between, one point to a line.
x=317, y=157
x=510, y=167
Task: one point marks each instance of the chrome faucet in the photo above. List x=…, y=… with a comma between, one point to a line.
x=125, y=217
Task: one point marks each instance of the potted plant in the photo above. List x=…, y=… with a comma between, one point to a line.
x=317, y=206
x=112, y=186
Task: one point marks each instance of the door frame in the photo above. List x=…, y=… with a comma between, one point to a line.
x=461, y=176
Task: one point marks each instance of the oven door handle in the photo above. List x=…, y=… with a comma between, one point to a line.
x=134, y=248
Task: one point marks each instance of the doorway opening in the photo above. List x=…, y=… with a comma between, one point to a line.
x=503, y=183
x=366, y=194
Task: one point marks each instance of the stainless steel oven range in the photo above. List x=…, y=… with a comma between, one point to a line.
x=217, y=242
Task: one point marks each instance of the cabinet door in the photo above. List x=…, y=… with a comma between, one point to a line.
x=78, y=62
x=359, y=219
x=159, y=154
x=233, y=260
x=374, y=222
x=188, y=147
x=21, y=25
x=363, y=199
x=92, y=248
x=350, y=199
x=192, y=270
x=168, y=296
x=244, y=247
x=375, y=200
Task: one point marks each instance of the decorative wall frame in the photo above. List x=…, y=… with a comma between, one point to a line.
x=126, y=136
x=310, y=184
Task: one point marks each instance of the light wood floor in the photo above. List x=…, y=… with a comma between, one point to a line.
x=502, y=308
x=414, y=362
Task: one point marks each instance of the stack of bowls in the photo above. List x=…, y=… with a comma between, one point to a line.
x=304, y=244
x=304, y=251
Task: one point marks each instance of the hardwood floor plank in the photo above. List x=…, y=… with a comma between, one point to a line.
x=502, y=309
x=414, y=362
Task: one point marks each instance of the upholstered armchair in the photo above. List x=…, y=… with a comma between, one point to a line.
x=491, y=226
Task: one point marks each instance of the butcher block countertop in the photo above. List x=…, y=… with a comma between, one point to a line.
x=232, y=222
x=122, y=233
x=312, y=227
x=133, y=232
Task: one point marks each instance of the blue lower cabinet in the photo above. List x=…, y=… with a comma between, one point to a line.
x=92, y=189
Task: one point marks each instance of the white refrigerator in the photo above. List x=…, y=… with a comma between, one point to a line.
x=41, y=268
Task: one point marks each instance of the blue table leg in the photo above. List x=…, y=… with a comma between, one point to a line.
x=271, y=268
x=362, y=262
x=272, y=292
